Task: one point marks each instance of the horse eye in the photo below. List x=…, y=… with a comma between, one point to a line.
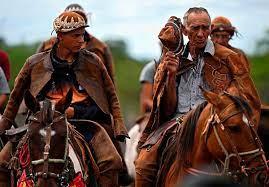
x=234, y=128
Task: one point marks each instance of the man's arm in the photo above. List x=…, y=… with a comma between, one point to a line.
x=40, y=48
x=146, y=94
x=120, y=131
x=168, y=102
x=22, y=83
x=3, y=99
x=244, y=84
x=107, y=59
x=109, y=63
x=146, y=79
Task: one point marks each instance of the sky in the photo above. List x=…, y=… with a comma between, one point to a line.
x=138, y=22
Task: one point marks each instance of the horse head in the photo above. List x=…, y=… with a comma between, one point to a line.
x=48, y=140
x=263, y=128
x=217, y=139
x=231, y=139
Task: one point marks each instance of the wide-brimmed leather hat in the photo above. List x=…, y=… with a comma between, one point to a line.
x=222, y=24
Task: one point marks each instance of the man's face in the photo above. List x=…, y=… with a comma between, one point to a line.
x=197, y=29
x=72, y=40
x=221, y=37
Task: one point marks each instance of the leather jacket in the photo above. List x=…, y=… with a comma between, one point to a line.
x=91, y=74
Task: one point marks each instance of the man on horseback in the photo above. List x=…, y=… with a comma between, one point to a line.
x=202, y=63
x=92, y=44
x=68, y=66
x=146, y=79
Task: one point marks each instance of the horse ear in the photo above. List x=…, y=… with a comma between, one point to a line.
x=65, y=102
x=31, y=102
x=211, y=97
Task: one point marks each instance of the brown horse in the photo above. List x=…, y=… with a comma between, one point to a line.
x=217, y=140
x=263, y=129
x=4, y=172
x=43, y=157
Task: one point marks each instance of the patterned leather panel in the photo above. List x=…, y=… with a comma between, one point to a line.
x=216, y=74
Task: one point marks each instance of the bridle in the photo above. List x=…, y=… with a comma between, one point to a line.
x=45, y=173
x=218, y=120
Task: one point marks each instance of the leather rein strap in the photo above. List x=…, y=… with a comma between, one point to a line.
x=46, y=160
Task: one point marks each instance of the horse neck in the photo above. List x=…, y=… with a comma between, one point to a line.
x=201, y=156
x=46, y=182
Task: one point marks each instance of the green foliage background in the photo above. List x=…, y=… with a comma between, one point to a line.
x=128, y=69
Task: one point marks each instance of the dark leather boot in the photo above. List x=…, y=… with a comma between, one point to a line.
x=109, y=179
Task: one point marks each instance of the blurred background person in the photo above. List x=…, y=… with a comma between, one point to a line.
x=146, y=80
x=4, y=90
x=222, y=31
x=5, y=64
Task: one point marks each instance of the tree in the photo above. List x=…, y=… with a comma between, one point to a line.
x=2, y=43
x=263, y=44
x=118, y=48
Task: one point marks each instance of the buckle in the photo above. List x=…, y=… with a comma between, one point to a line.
x=179, y=120
x=148, y=148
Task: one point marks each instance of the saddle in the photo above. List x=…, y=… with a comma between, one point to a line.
x=83, y=152
x=15, y=134
x=168, y=128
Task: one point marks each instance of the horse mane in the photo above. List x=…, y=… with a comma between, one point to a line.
x=240, y=103
x=46, y=111
x=181, y=149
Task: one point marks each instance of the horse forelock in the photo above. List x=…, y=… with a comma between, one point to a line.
x=240, y=103
x=47, y=111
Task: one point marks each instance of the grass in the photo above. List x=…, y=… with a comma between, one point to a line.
x=260, y=74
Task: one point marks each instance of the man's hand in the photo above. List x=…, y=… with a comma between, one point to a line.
x=70, y=112
x=4, y=125
x=172, y=63
x=147, y=105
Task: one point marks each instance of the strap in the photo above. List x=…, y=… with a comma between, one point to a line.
x=50, y=160
x=46, y=152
